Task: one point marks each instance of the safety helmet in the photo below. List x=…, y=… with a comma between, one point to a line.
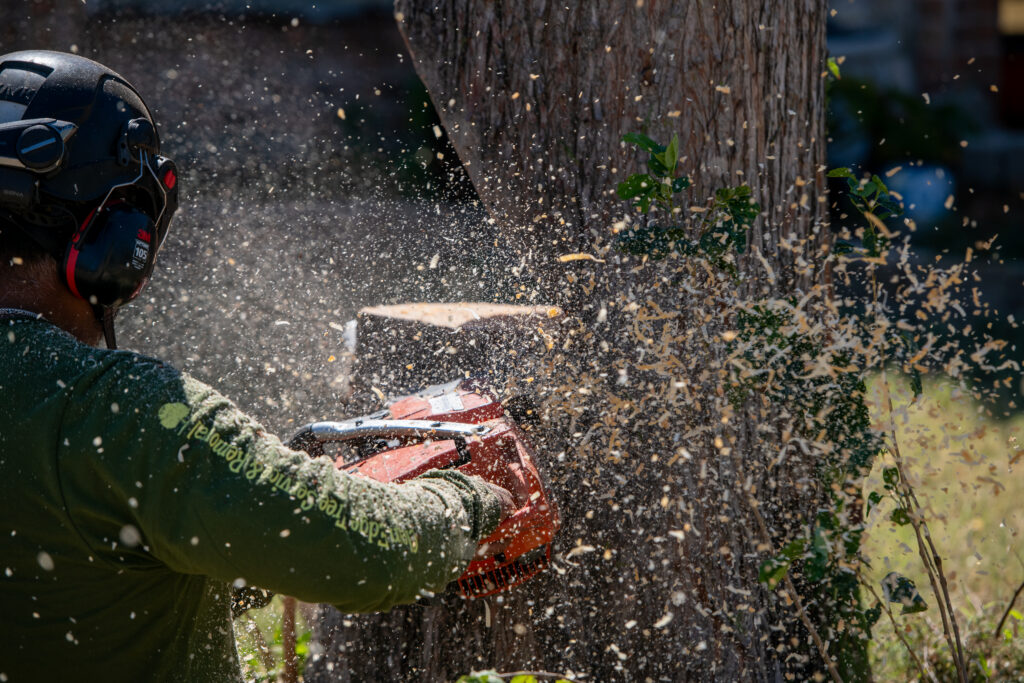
x=81, y=173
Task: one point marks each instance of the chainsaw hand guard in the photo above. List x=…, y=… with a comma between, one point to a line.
x=459, y=425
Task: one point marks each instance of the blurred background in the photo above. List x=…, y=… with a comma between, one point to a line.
x=931, y=98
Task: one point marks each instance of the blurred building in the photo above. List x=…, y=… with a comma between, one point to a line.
x=966, y=54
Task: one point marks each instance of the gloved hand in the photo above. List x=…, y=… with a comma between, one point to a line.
x=508, y=505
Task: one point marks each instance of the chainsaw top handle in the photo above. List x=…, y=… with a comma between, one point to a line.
x=312, y=437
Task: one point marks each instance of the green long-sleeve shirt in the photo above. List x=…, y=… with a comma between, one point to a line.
x=132, y=498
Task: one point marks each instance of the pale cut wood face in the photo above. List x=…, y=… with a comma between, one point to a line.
x=454, y=315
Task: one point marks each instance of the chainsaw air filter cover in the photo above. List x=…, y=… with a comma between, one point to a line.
x=460, y=425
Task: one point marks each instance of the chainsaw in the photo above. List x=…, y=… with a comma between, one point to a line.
x=459, y=425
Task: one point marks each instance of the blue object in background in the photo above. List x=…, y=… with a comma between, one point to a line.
x=925, y=189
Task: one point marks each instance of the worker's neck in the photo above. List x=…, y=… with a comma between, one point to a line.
x=37, y=288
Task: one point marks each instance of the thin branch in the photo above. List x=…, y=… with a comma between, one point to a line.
x=899, y=633
x=932, y=562
x=818, y=642
x=1009, y=608
x=262, y=649
x=822, y=650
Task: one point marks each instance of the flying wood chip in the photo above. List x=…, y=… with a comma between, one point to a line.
x=566, y=258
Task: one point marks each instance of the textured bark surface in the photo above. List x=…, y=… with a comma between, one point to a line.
x=537, y=94
x=656, y=577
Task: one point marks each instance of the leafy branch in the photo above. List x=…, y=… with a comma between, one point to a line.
x=720, y=229
x=873, y=200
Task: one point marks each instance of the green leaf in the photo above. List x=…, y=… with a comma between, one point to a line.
x=916, y=385
x=649, y=241
x=900, y=517
x=871, y=616
x=833, y=67
x=817, y=564
x=657, y=166
x=671, y=155
x=886, y=206
x=634, y=185
x=842, y=247
x=772, y=570
x=524, y=678
x=1016, y=615
x=481, y=677
x=874, y=498
x=793, y=549
x=643, y=142
x=842, y=172
x=891, y=477
x=680, y=183
x=898, y=588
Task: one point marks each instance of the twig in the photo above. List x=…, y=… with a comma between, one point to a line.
x=932, y=562
x=822, y=650
x=1009, y=608
x=818, y=642
x=262, y=649
x=899, y=633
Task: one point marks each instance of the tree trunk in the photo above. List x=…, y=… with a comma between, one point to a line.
x=670, y=497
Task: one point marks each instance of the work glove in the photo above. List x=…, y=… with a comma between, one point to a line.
x=508, y=505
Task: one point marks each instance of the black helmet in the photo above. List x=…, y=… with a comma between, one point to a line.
x=81, y=173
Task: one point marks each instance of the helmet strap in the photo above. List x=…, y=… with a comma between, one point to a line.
x=105, y=315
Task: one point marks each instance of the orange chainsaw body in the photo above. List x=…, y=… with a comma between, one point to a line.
x=494, y=448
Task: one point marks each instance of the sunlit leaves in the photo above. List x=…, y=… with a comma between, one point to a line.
x=833, y=67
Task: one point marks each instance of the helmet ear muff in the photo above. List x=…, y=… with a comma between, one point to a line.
x=111, y=256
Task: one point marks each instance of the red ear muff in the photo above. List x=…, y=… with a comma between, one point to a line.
x=111, y=257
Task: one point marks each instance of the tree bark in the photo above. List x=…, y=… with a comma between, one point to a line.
x=670, y=497
x=536, y=95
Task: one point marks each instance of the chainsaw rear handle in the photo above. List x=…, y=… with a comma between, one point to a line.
x=312, y=437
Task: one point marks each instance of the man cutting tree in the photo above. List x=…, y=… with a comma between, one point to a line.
x=133, y=498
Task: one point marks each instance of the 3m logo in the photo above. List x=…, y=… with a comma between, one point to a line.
x=172, y=415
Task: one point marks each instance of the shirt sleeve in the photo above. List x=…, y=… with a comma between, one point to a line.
x=159, y=470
